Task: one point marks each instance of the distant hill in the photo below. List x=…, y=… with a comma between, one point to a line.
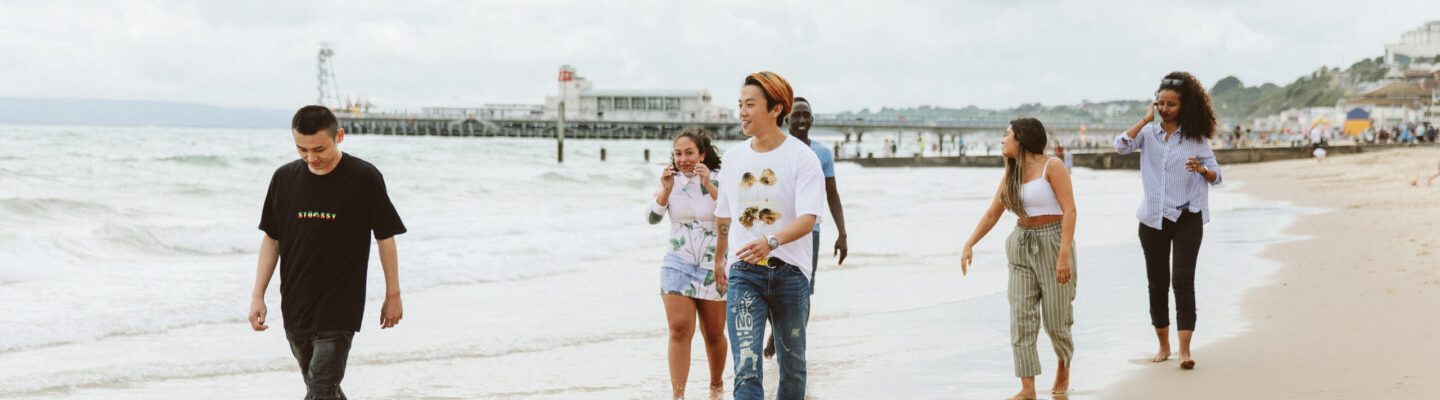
x=1117, y=110
x=1231, y=99
x=1323, y=88
x=53, y=111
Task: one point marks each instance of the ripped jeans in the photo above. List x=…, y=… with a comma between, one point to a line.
x=780, y=294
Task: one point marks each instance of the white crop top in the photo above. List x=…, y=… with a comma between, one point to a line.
x=1039, y=197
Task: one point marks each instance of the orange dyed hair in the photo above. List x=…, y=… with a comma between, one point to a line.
x=777, y=92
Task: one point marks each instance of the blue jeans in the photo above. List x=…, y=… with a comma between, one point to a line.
x=322, y=357
x=780, y=294
x=814, y=258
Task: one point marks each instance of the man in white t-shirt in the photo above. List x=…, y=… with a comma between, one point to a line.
x=773, y=188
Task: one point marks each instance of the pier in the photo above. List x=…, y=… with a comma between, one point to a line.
x=489, y=123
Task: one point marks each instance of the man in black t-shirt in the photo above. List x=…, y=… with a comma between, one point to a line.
x=318, y=217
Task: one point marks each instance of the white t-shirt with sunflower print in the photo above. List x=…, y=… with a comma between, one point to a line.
x=764, y=192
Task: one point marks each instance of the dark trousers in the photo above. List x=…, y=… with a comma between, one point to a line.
x=322, y=357
x=1184, y=234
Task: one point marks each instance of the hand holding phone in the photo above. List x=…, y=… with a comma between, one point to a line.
x=667, y=177
x=1153, y=110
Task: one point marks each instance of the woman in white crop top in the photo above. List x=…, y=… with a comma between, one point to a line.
x=1041, y=251
x=688, y=282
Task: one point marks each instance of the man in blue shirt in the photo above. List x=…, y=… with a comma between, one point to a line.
x=799, y=121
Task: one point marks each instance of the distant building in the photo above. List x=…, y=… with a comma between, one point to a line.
x=1402, y=102
x=1422, y=42
x=583, y=102
x=1297, y=119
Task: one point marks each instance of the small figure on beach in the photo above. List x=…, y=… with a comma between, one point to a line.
x=1177, y=167
x=1040, y=252
x=1430, y=180
x=1063, y=155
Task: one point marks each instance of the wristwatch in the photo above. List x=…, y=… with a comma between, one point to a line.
x=772, y=241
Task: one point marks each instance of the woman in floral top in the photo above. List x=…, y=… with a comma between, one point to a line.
x=689, y=285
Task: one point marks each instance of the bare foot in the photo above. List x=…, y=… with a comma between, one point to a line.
x=1163, y=355
x=770, y=347
x=717, y=392
x=1186, y=362
x=1024, y=395
x=1062, y=380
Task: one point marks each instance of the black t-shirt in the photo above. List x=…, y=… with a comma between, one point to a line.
x=323, y=223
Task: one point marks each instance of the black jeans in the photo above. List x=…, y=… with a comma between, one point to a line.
x=322, y=357
x=1184, y=234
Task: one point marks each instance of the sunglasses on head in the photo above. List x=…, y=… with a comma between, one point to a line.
x=1171, y=82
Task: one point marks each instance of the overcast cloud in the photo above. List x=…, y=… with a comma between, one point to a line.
x=843, y=55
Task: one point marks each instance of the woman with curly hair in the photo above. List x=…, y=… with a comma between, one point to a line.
x=1177, y=166
x=689, y=285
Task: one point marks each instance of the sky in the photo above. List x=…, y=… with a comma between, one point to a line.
x=840, y=54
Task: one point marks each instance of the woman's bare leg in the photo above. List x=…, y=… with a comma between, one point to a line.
x=1027, y=389
x=680, y=314
x=712, y=328
x=1185, y=361
x=1062, y=379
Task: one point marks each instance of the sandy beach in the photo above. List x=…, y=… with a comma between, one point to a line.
x=1351, y=313
x=168, y=262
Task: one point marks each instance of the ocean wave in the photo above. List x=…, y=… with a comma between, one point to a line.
x=53, y=208
x=163, y=240
x=553, y=176
x=258, y=160
x=197, y=160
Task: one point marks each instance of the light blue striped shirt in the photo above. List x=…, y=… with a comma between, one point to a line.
x=1168, y=186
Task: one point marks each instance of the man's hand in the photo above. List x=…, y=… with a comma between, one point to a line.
x=841, y=248
x=754, y=252
x=257, y=315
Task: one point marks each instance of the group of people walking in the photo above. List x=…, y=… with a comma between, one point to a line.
x=745, y=237
x=770, y=185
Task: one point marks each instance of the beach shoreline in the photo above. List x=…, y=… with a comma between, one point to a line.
x=1343, y=317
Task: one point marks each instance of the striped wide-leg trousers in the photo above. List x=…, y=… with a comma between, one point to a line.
x=1036, y=296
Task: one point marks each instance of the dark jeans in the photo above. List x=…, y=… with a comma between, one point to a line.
x=780, y=294
x=814, y=258
x=322, y=357
x=1184, y=234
